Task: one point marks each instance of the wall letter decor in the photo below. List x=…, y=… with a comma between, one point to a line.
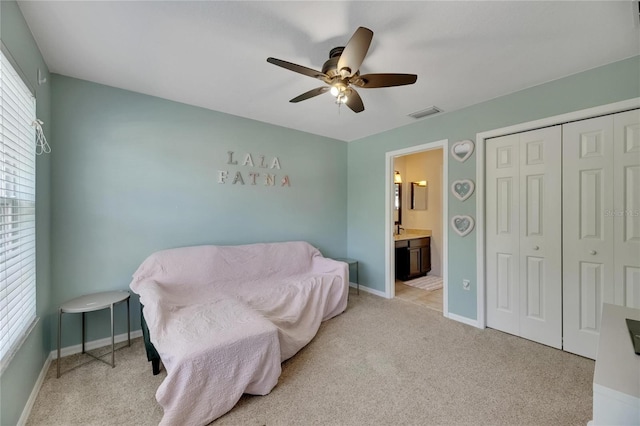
x=238, y=178
x=248, y=161
x=253, y=175
x=230, y=158
x=269, y=180
x=262, y=162
x=222, y=176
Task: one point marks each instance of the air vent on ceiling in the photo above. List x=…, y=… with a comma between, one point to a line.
x=425, y=112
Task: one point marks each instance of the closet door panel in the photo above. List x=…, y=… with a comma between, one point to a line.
x=523, y=239
x=587, y=182
x=540, y=236
x=502, y=228
x=626, y=214
x=632, y=287
x=591, y=286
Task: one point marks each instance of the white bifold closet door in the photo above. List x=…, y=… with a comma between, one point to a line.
x=601, y=231
x=524, y=235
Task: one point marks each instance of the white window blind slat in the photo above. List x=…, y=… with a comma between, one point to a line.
x=12, y=153
x=16, y=277
x=17, y=210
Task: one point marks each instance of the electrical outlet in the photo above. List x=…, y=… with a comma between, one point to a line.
x=466, y=284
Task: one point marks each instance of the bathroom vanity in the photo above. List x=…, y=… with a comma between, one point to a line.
x=413, y=255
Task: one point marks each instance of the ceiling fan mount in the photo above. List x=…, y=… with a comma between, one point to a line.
x=342, y=70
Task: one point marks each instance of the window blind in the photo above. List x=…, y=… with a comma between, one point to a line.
x=17, y=210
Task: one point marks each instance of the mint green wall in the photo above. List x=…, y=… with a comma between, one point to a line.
x=366, y=165
x=133, y=174
x=18, y=379
x=130, y=174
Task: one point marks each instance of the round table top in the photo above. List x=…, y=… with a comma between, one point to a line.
x=94, y=302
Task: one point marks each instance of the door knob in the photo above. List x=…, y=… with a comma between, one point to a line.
x=536, y=247
x=593, y=252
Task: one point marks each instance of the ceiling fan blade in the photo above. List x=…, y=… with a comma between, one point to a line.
x=310, y=94
x=299, y=69
x=354, y=101
x=370, y=81
x=355, y=51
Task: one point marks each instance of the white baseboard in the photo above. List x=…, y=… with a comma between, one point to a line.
x=69, y=350
x=94, y=344
x=26, y=411
x=369, y=290
x=464, y=320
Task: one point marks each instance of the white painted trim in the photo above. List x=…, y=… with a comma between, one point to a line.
x=464, y=320
x=94, y=344
x=389, y=256
x=371, y=291
x=69, y=350
x=562, y=118
x=480, y=172
x=26, y=411
x=480, y=227
x=445, y=228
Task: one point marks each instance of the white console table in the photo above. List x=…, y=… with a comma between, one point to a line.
x=616, y=380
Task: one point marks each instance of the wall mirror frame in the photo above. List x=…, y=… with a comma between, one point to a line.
x=419, y=195
x=462, y=150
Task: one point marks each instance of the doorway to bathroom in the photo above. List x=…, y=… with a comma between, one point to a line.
x=416, y=225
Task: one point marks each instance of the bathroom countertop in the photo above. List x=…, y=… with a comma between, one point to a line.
x=410, y=234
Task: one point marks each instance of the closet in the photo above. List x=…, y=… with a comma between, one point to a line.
x=523, y=229
x=563, y=229
x=601, y=226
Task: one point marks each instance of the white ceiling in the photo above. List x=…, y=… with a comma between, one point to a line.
x=213, y=54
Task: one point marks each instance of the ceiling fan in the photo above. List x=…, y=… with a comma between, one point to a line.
x=341, y=71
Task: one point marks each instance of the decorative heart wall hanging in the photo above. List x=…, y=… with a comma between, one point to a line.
x=462, y=224
x=462, y=150
x=462, y=189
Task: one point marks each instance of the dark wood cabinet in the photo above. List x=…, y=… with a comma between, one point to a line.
x=413, y=258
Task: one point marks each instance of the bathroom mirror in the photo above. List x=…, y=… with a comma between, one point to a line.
x=419, y=195
x=397, y=204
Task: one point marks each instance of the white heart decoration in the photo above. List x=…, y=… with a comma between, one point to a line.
x=462, y=150
x=462, y=224
x=462, y=189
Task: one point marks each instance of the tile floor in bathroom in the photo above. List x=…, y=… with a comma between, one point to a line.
x=430, y=299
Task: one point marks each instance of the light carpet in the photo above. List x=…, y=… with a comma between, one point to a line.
x=428, y=282
x=382, y=362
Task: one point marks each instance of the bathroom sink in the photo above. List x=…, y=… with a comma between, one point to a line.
x=412, y=233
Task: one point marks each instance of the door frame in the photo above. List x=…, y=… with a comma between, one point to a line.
x=389, y=242
x=480, y=178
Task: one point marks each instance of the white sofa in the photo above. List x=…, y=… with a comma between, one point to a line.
x=223, y=318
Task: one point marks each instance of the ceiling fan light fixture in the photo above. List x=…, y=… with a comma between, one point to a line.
x=342, y=70
x=341, y=92
x=338, y=88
